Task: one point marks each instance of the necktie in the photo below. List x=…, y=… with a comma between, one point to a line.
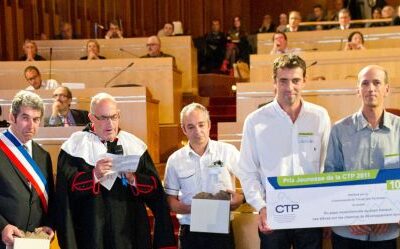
x=26, y=148
x=66, y=124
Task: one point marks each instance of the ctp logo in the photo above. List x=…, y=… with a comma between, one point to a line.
x=287, y=208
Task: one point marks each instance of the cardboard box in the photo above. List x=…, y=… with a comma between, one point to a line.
x=23, y=243
x=210, y=216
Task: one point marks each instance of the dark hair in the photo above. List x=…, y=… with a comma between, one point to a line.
x=289, y=61
x=319, y=6
x=115, y=23
x=354, y=33
x=277, y=33
x=69, y=93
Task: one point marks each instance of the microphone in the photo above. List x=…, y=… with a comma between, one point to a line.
x=312, y=64
x=51, y=56
x=341, y=44
x=118, y=74
x=96, y=27
x=310, y=49
x=126, y=51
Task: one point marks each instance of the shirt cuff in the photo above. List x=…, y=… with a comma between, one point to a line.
x=171, y=191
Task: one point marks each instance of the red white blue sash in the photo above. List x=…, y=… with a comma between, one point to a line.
x=25, y=164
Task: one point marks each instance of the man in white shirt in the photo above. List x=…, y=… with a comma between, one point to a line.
x=288, y=136
x=344, y=18
x=33, y=77
x=203, y=165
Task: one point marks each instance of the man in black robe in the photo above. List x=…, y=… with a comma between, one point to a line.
x=91, y=212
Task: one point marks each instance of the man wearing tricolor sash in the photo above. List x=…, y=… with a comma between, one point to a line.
x=105, y=180
x=26, y=177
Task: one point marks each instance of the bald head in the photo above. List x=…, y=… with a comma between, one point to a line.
x=153, y=46
x=374, y=70
x=373, y=87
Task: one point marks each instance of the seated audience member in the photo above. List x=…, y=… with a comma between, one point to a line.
x=154, y=48
x=387, y=12
x=214, y=51
x=396, y=19
x=33, y=77
x=62, y=114
x=3, y=123
x=317, y=16
x=93, y=51
x=30, y=52
x=283, y=21
x=114, y=30
x=376, y=14
x=355, y=41
x=294, y=22
x=333, y=15
x=267, y=25
x=167, y=30
x=238, y=47
x=344, y=20
x=66, y=32
x=280, y=45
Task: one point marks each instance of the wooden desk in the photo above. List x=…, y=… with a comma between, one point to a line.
x=333, y=40
x=181, y=47
x=139, y=115
x=338, y=97
x=158, y=75
x=333, y=65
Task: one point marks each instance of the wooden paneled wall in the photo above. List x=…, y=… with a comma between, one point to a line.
x=28, y=19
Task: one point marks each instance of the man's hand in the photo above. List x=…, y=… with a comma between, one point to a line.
x=8, y=234
x=47, y=230
x=379, y=228
x=92, y=56
x=102, y=167
x=262, y=221
x=55, y=108
x=236, y=199
x=30, y=56
x=130, y=176
x=360, y=229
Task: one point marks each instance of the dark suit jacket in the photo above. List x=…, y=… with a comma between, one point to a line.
x=85, y=57
x=80, y=116
x=19, y=204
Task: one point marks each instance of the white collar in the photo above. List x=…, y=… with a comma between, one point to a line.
x=27, y=144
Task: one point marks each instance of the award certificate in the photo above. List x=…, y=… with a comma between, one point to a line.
x=333, y=199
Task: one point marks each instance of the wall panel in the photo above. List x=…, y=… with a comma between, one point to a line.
x=24, y=19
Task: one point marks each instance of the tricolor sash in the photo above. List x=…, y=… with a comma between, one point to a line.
x=25, y=164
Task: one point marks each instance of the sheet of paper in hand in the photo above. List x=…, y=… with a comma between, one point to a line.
x=120, y=164
x=333, y=199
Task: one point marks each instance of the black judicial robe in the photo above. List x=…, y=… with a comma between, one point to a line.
x=91, y=217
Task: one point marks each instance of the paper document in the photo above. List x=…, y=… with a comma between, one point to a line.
x=120, y=164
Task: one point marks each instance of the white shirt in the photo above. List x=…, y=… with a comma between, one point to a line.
x=272, y=145
x=46, y=85
x=187, y=173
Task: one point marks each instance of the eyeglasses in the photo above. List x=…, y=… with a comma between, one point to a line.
x=151, y=44
x=114, y=117
x=60, y=95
